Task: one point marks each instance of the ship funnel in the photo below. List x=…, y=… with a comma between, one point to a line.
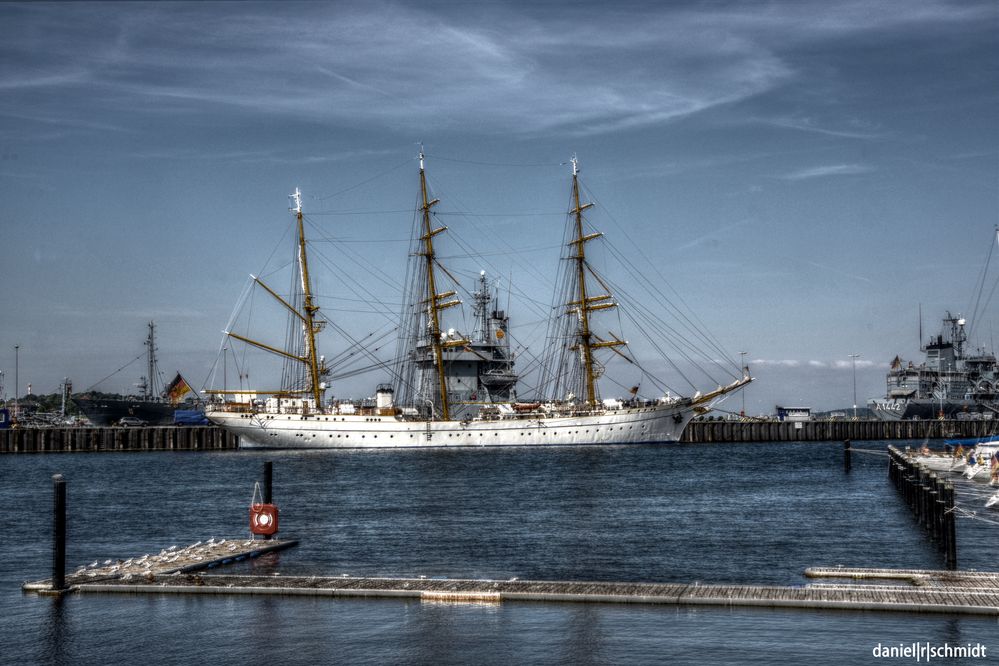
x=383, y=400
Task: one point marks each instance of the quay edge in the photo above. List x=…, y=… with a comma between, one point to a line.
x=92, y=440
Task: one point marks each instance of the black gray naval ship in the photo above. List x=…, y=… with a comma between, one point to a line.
x=950, y=383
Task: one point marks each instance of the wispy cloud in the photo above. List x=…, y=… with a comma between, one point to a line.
x=828, y=170
x=522, y=69
x=836, y=364
x=854, y=130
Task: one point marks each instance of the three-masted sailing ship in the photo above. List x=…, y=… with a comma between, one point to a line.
x=456, y=390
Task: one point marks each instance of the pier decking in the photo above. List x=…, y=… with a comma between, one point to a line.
x=975, y=595
x=169, y=561
x=180, y=571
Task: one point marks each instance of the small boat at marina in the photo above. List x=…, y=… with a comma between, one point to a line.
x=457, y=389
x=983, y=467
x=958, y=460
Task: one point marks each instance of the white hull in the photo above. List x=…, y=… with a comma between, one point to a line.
x=660, y=423
x=941, y=463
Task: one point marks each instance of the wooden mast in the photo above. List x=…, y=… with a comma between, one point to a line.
x=309, y=324
x=585, y=304
x=435, y=302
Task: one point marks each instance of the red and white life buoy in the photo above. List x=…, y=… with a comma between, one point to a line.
x=263, y=519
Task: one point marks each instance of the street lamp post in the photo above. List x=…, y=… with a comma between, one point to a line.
x=854, y=358
x=743, y=391
x=16, y=379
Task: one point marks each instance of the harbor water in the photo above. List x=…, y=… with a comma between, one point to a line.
x=719, y=513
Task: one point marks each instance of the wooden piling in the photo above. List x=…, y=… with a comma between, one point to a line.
x=268, y=488
x=58, y=533
x=930, y=499
x=950, y=527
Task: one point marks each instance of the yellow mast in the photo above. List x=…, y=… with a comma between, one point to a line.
x=309, y=324
x=435, y=302
x=586, y=304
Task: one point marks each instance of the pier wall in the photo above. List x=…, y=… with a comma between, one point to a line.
x=165, y=438
x=815, y=431
x=212, y=438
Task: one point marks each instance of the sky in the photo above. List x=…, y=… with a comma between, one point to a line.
x=805, y=175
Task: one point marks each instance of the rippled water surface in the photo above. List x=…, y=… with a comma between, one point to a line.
x=739, y=513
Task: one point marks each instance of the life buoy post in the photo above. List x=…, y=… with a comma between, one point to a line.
x=263, y=511
x=264, y=519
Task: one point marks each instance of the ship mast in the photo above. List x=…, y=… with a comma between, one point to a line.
x=310, y=309
x=584, y=303
x=435, y=302
x=148, y=387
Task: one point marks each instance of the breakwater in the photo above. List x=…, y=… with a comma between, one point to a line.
x=816, y=431
x=69, y=440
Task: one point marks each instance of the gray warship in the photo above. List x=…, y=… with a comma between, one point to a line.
x=950, y=383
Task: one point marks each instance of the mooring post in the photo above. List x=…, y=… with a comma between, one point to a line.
x=951, y=558
x=58, y=533
x=846, y=456
x=268, y=487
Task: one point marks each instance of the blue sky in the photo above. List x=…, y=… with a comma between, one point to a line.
x=805, y=174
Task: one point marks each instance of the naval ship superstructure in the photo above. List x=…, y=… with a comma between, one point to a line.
x=950, y=383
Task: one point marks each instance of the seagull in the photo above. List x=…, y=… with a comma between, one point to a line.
x=107, y=562
x=93, y=564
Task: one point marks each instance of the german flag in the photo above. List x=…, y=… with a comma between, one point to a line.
x=177, y=389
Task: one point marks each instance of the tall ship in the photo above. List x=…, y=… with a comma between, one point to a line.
x=455, y=389
x=151, y=405
x=950, y=383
